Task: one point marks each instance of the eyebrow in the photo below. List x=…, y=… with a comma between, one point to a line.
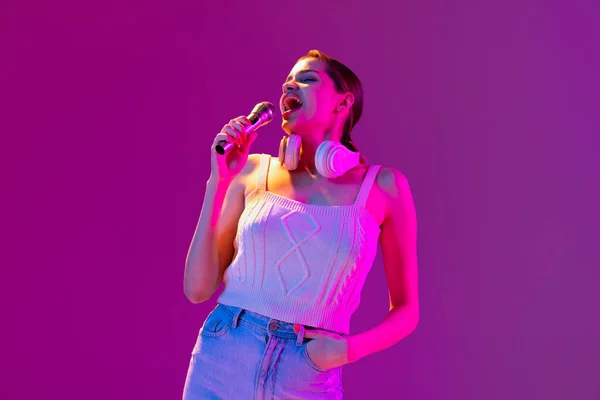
x=302, y=72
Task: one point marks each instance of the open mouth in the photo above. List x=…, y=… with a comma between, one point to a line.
x=290, y=103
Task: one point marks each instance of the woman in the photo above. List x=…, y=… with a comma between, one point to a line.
x=293, y=239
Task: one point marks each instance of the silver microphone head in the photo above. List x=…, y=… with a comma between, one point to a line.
x=261, y=115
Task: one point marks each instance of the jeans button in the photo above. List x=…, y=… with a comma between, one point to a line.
x=273, y=325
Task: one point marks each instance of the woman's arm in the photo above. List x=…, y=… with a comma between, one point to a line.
x=211, y=249
x=398, y=241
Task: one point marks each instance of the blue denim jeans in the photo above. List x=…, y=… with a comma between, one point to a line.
x=244, y=355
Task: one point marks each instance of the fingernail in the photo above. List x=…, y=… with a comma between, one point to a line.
x=296, y=328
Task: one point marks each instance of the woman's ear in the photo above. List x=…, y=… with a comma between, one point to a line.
x=346, y=102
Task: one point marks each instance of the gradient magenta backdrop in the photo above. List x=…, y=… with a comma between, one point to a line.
x=107, y=114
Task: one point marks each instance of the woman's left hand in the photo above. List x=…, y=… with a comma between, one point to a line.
x=327, y=349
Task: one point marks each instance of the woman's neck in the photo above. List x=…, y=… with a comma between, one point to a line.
x=310, y=143
x=307, y=156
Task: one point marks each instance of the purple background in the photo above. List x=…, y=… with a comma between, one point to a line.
x=108, y=110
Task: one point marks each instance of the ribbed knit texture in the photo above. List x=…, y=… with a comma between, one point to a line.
x=301, y=263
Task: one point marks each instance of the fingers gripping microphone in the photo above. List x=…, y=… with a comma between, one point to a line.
x=261, y=115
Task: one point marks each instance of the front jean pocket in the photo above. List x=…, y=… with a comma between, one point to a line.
x=217, y=323
x=310, y=362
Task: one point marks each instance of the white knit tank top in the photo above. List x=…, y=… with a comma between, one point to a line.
x=301, y=263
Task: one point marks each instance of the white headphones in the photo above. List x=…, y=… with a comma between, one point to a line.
x=332, y=158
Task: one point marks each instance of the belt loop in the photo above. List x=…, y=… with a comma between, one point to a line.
x=236, y=317
x=300, y=338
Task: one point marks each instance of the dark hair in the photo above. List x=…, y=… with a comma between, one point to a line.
x=345, y=81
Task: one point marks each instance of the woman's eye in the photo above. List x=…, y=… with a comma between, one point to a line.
x=309, y=79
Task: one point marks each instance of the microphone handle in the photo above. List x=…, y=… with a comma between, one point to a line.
x=224, y=147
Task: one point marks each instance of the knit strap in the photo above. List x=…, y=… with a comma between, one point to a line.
x=265, y=161
x=365, y=188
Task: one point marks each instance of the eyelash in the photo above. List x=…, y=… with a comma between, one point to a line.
x=308, y=80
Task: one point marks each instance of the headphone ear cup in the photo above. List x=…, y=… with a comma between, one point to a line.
x=322, y=159
x=289, y=151
x=333, y=159
x=282, y=147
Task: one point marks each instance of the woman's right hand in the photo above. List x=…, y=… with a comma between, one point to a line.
x=227, y=166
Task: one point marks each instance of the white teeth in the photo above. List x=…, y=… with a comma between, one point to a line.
x=286, y=103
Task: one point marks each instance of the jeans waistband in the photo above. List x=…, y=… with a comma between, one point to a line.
x=263, y=324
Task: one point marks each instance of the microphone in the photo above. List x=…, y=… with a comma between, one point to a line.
x=261, y=115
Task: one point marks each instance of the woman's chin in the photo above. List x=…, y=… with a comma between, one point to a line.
x=288, y=126
x=297, y=126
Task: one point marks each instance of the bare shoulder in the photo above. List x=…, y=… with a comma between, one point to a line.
x=395, y=192
x=247, y=178
x=251, y=166
x=392, y=183
x=253, y=161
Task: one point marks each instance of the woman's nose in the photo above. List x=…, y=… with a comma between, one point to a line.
x=288, y=87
